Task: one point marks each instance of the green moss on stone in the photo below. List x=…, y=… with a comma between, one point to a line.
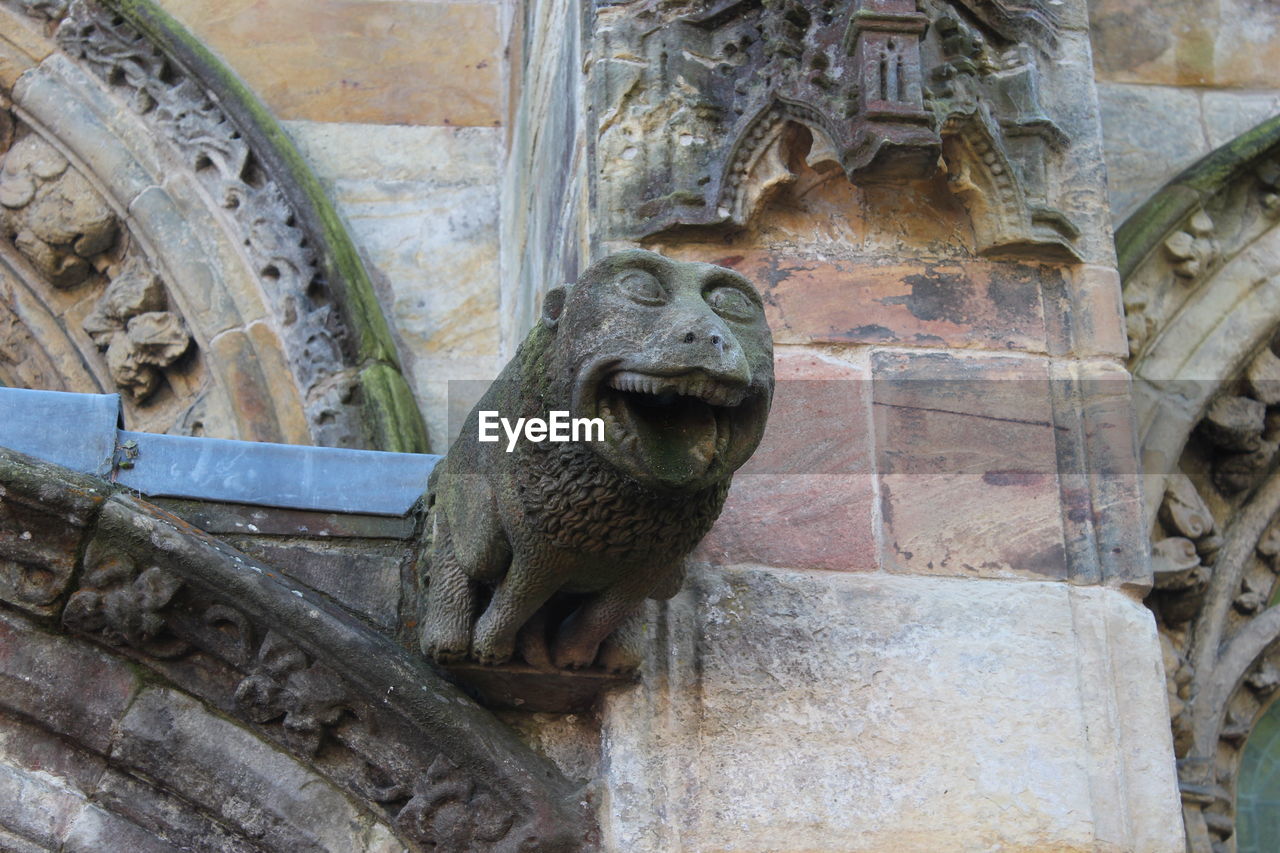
x=1152, y=223
x=391, y=411
x=347, y=277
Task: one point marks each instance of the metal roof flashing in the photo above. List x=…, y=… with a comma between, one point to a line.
x=84, y=432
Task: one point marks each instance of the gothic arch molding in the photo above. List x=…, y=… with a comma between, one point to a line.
x=165, y=240
x=1201, y=269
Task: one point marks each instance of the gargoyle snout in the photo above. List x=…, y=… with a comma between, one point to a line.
x=707, y=344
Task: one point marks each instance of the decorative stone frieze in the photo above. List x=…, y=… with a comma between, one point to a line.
x=701, y=106
x=341, y=698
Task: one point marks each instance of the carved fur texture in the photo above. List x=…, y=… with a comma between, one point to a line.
x=550, y=549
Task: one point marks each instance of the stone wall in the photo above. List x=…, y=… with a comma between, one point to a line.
x=918, y=624
x=1177, y=80
x=401, y=108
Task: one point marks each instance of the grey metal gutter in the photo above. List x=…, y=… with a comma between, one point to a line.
x=83, y=432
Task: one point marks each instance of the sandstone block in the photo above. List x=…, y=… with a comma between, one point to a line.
x=71, y=687
x=807, y=497
x=942, y=303
x=229, y=772
x=436, y=63
x=848, y=712
x=967, y=459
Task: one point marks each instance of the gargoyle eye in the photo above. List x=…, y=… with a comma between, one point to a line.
x=642, y=286
x=731, y=303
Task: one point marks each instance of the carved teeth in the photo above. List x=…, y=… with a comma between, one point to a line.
x=690, y=385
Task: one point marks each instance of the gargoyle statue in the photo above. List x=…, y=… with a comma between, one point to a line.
x=551, y=546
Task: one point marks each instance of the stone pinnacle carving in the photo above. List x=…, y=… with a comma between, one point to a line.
x=552, y=546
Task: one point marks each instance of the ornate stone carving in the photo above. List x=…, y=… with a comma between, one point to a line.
x=220, y=157
x=52, y=214
x=448, y=811
x=124, y=605
x=340, y=697
x=695, y=100
x=284, y=683
x=559, y=543
x=1192, y=250
x=139, y=336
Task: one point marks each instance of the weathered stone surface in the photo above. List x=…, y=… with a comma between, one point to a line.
x=1227, y=114
x=1149, y=134
x=1094, y=314
x=95, y=830
x=35, y=808
x=230, y=773
x=41, y=530
x=545, y=240
x=828, y=712
x=979, y=427
x=437, y=63
x=25, y=747
x=1228, y=43
x=69, y=687
x=943, y=303
x=807, y=497
x=166, y=814
x=363, y=576
x=423, y=203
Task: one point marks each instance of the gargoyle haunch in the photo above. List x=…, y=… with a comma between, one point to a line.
x=552, y=548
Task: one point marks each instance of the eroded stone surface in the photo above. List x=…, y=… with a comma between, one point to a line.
x=227, y=771
x=437, y=63
x=823, y=712
x=423, y=202
x=807, y=496
x=967, y=459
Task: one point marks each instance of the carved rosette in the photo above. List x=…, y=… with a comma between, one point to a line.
x=362, y=712
x=695, y=98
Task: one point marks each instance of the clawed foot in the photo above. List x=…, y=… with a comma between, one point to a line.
x=573, y=657
x=444, y=649
x=492, y=651
x=618, y=660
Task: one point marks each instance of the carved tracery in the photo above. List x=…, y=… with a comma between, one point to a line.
x=694, y=99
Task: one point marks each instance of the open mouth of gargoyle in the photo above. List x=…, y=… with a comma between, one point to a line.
x=674, y=426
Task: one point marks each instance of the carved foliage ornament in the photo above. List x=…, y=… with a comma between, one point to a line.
x=74, y=241
x=329, y=690
x=693, y=97
x=63, y=225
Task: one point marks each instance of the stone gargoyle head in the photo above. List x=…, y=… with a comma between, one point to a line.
x=675, y=357
x=547, y=548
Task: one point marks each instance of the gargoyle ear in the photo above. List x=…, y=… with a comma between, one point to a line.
x=552, y=306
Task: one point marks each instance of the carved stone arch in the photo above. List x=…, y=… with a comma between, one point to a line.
x=163, y=239
x=161, y=690
x=1201, y=269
